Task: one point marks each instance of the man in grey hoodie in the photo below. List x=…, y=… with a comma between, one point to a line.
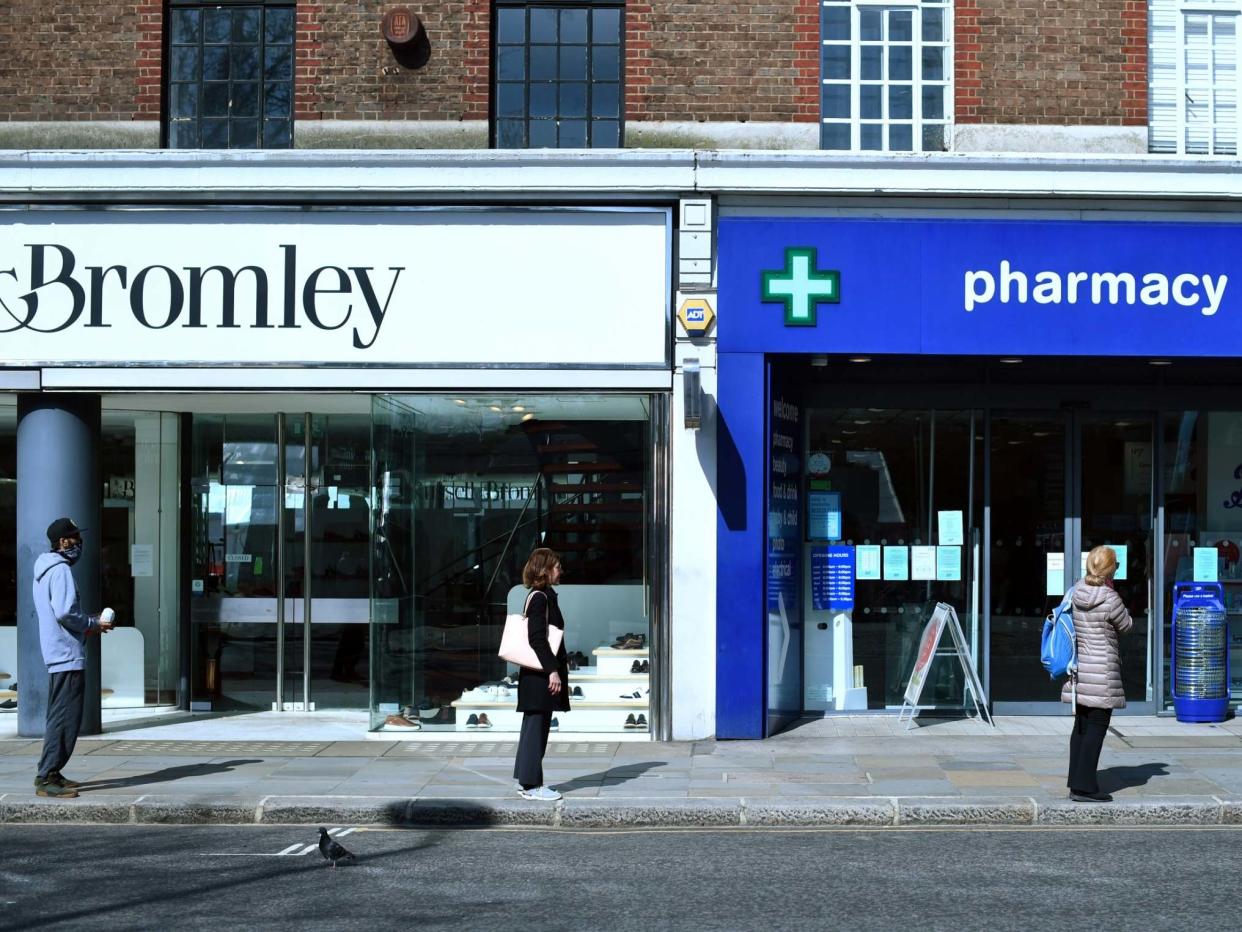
x=63, y=628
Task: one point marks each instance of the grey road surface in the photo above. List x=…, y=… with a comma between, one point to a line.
x=255, y=877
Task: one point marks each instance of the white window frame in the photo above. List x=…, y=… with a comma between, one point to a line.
x=1209, y=8
x=916, y=120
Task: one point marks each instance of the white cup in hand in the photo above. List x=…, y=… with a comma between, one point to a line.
x=107, y=616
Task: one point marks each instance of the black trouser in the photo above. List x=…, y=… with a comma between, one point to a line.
x=1086, y=742
x=528, y=768
x=66, y=693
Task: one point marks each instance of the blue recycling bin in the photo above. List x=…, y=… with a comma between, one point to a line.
x=1199, y=657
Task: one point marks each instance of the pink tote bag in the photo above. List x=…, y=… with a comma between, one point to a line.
x=515, y=641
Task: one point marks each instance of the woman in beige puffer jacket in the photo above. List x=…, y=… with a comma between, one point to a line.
x=1099, y=618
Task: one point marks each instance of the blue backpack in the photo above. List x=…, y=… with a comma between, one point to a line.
x=1058, y=649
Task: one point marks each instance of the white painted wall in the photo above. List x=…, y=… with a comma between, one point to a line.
x=693, y=554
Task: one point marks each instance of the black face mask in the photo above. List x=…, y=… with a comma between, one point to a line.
x=72, y=553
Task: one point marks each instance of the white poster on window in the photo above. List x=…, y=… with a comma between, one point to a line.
x=142, y=559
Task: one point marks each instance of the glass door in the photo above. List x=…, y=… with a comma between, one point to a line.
x=1061, y=484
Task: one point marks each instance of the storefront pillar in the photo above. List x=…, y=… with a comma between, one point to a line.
x=741, y=636
x=57, y=475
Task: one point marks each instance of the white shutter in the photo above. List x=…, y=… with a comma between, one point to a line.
x=1163, y=116
x=1197, y=82
x=1225, y=84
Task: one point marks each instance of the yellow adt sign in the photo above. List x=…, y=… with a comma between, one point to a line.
x=696, y=315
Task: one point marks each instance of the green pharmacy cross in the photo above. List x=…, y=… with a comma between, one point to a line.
x=800, y=286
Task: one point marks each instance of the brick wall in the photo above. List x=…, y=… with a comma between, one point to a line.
x=1063, y=62
x=79, y=61
x=351, y=74
x=722, y=61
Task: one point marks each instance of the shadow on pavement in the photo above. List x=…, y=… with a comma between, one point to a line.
x=613, y=776
x=1120, y=778
x=167, y=775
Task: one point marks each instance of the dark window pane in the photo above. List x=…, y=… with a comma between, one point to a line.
x=871, y=25
x=543, y=26
x=183, y=135
x=573, y=63
x=871, y=102
x=900, y=63
x=510, y=134
x=277, y=134
x=510, y=26
x=184, y=63
x=933, y=103
x=933, y=25
x=278, y=63
x=245, y=100
x=183, y=100
x=245, y=62
x=276, y=99
x=573, y=100
x=606, y=27
x=606, y=100
x=511, y=63
x=217, y=26
x=872, y=138
x=574, y=26
x=244, y=134
x=543, y=134
x=278, y=26
x=185, y=26
x=900, y=26
x=216, y=63
x=933, y=137
x=511, y=100
x=605, y=134
x=543, y=62
x=215, y=100
x=933, y=63
x=900, y=102
x=215, y=134
x=837, y=101
x=542, y=101
x=900, y=138
x=835, y=136
x=573, y=134
x=246, y=27
x=605, y=63
x=836, y=61
x=871, y=62
x=837, y=22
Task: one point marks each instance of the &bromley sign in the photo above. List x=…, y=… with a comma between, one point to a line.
x=349, y=287
x=980, y=287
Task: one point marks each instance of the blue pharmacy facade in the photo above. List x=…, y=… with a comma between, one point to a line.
x=955, y=407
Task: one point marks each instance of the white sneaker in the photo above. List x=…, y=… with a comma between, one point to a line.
x=544, y=793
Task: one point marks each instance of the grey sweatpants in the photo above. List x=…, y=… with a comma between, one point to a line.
x=66, y=693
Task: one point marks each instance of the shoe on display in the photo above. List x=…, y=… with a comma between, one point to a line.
x=576, y=692
x=630, y=721
x=573, y=664
x=642, y=722
x=484, y=721
x=636, y=667
x=400, y=721
x=472, y=721
x=9, y=705
x=646, y=667
x=542, y=793
x=634, y=695
x=556, y=724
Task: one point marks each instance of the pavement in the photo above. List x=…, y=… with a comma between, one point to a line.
x=852, y=771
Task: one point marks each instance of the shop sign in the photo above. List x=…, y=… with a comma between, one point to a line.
x=394, y=288
x=981, y=287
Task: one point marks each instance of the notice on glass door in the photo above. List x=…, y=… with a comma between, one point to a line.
x=922, y=563
x=867, y=564
x=897, y=563
x=1123, y=555
x=1055, y=574
x=949, y=564
x=950, y=525
x=832, y=579
x=1206, y=564
x=142, y=559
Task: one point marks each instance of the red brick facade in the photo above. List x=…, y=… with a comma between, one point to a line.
x=750, y=62
x=1060, y=62
x=1057, y=62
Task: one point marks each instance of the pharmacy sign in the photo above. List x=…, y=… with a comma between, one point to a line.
x=800, y=286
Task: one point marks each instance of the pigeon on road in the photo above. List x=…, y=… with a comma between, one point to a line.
x=332, y=850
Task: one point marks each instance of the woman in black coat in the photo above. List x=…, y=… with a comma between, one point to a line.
x=541, y=693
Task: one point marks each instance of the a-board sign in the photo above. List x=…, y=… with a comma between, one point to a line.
x=944, y=616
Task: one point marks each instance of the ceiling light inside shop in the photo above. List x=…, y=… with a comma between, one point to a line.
x=1010, y=360
x=528, y=417
x=860, y=359
x=519, y=407
x=460, y=401
x=1041, y=433
x=497, y=408
x=1160, y=362
x=819, y=361
x=849, y=433
x=861, y=421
